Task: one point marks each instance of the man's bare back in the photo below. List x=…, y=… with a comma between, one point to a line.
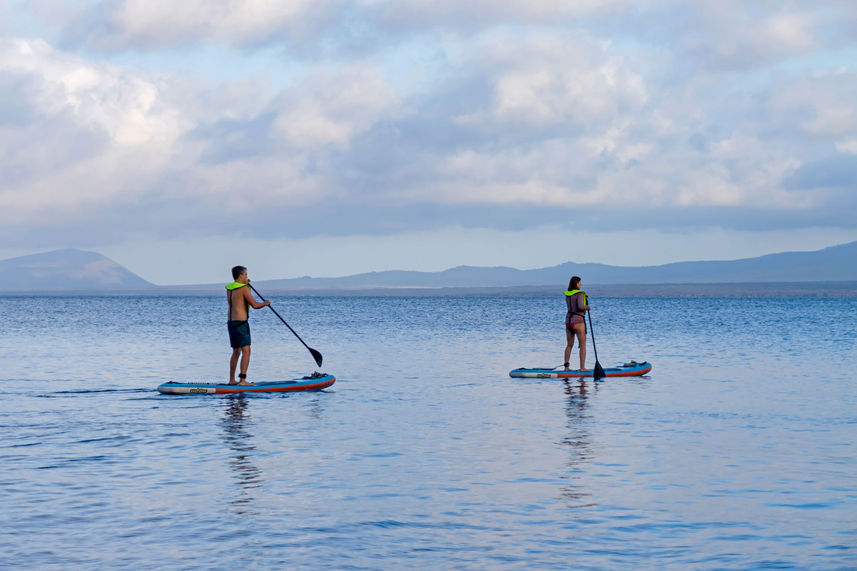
x=239, y=300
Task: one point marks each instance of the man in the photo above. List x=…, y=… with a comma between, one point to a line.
x=240, y=300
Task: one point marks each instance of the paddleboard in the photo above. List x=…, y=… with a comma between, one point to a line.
x=632, y=369
x=312, y=382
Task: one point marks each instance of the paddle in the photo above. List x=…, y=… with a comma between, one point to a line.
x=315, y=354
x=598, y=371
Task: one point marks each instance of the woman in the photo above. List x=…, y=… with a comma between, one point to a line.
x=575, y=324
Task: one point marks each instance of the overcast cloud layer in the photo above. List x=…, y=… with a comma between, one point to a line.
x=128, y=120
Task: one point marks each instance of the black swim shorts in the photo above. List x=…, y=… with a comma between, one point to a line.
x=239, y=333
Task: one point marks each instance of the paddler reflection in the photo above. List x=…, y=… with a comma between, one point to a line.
x=578, y=441
x=235, y=421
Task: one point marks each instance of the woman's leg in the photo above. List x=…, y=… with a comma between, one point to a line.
x=569, y=343
x=580, y=331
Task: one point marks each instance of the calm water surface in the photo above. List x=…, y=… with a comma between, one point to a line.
x=738, y=451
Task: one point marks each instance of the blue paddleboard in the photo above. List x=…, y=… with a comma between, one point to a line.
x=313, y=382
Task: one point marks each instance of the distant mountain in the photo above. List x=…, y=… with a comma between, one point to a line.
x=837, y=263
x=77, y=270
x=67, y=270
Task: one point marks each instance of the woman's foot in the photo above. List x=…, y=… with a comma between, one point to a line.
x=565, y=366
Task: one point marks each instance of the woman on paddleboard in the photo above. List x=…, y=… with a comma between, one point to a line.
x=575, y=324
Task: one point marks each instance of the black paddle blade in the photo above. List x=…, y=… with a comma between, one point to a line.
x=315, y=355
x=598, y=372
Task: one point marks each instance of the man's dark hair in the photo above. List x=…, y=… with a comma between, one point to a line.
x=237, y=271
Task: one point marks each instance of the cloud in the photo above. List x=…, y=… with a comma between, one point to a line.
x=100, y=97
x=332, y=105
x=735, y=35
x=823, y=105
x=723, y=34
x=84, y=134
x=117, y=25
x=545, y=77
x=479, y=14
x=836, y=172
x=83, y=140
x=497, y=115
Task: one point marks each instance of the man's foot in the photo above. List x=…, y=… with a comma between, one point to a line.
x=232, y=382
x=244, y=383
x=565, y=367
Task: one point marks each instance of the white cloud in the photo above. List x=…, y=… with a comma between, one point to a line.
x=333, y=105
x=847, y=146
x=89, y=134
x=118, y=101
x=790, y=32
x=731, y=34
x=161, y=24
x=543, y=77
x=580, y=94
x=480, y=13
x=823, y=105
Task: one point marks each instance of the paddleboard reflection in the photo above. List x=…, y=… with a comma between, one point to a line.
x=236, y=421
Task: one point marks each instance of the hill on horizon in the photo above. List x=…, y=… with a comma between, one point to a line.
x=67, y=270
x=78, y=270
x=835, y=263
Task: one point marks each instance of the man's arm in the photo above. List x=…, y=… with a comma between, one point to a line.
x=253, y=303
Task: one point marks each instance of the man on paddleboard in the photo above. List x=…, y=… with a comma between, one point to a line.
x=240, y=300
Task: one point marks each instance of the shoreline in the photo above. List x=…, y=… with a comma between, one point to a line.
x=847, y=289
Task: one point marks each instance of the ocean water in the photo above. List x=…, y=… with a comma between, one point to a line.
x=738, y=451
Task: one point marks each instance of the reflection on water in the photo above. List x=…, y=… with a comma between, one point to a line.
x=316, y=408
x=578, y=440
x=235, y=422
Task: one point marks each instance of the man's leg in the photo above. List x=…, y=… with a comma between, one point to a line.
x=233, y=363
x=245, y=362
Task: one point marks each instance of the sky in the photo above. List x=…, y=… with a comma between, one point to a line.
x=333, y=137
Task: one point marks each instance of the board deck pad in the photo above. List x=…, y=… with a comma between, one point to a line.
x=632, y=369
x=314, y=382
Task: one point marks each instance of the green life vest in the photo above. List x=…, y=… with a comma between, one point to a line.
x=585, y=299
x=230, y=288
x=574, y=291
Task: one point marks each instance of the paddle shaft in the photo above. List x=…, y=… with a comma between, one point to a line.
x=315, y=354
x=598, y=371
